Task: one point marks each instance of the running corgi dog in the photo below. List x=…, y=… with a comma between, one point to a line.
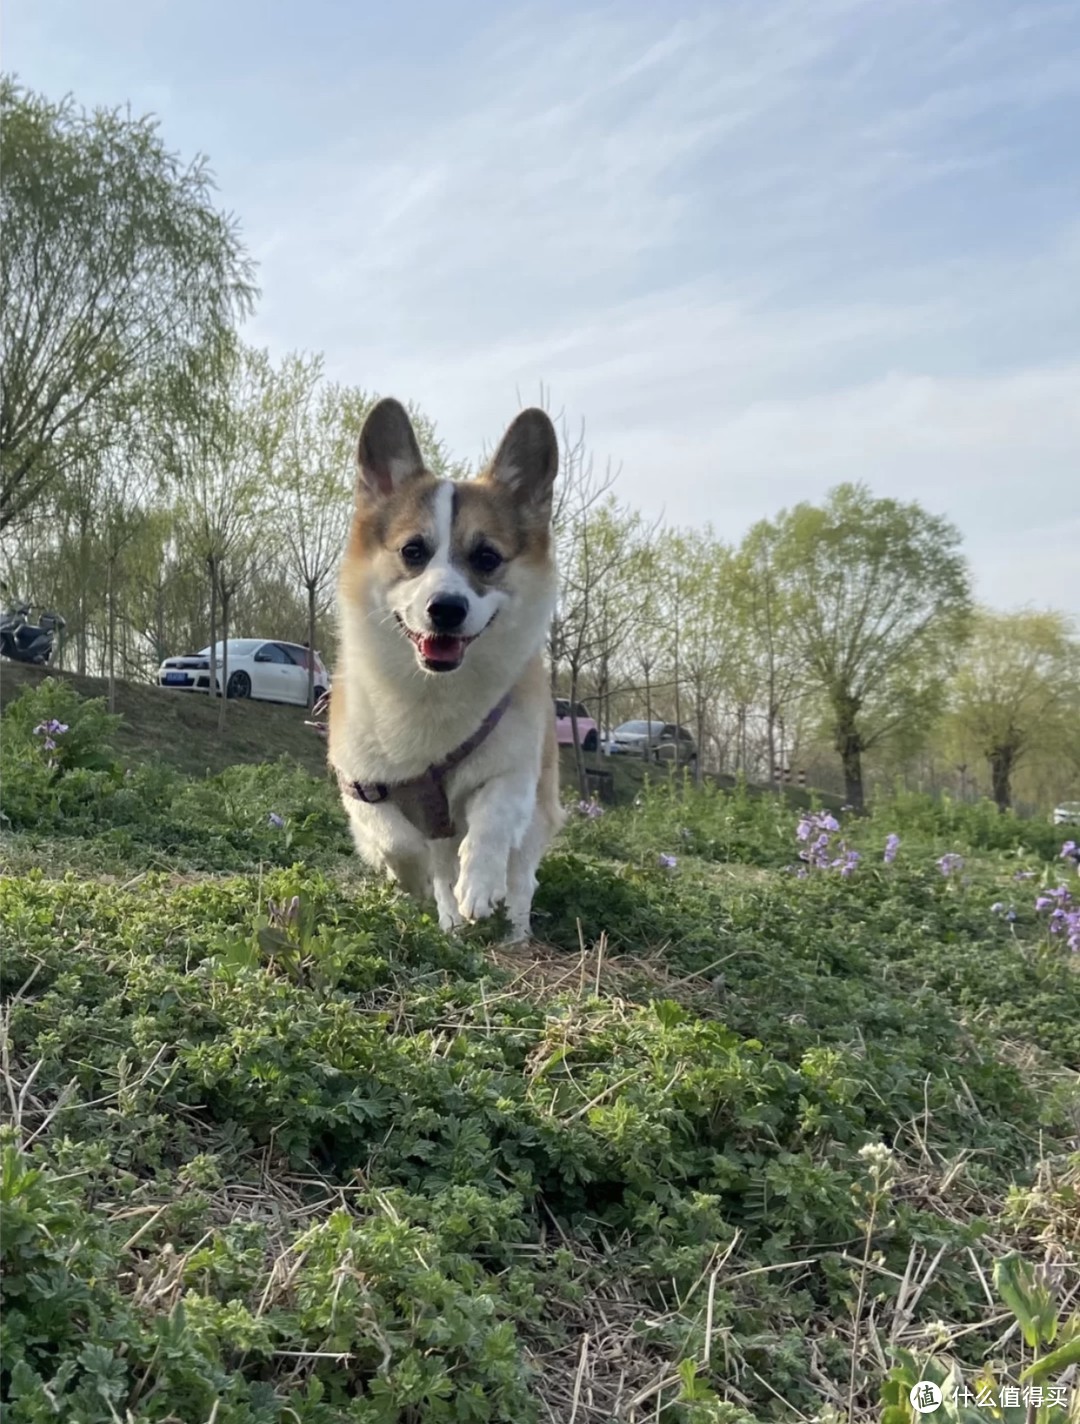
x=441, y=730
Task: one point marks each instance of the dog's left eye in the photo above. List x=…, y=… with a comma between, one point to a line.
x=486, y=560
x=414, y=552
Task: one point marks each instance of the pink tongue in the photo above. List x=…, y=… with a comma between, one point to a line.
x=442, y=648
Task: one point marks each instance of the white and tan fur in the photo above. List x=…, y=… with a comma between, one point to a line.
x=392, y=716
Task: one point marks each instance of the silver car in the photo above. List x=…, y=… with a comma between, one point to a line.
x=660, y=741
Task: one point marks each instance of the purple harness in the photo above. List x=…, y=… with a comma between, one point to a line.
x=423, y=800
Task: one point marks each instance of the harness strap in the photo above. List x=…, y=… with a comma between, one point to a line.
x=423, y=800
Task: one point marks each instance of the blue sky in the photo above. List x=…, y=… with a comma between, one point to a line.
x=757, y=247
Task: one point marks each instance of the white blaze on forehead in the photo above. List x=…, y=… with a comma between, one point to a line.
x=442, y=507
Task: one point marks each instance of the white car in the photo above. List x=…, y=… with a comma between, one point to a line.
x=262, y=669
x=1067, y=814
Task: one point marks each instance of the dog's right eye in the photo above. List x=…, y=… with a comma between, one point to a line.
x=414, y=553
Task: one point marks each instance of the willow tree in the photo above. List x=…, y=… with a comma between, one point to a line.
x=762, y=620
x=1017, y=691
x=220, y=433
x=313, y=482
x=878, y=598
x=114, y=264
x=708, y=643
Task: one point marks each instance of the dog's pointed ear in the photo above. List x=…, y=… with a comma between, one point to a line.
x=527, y=459
x=388, y=454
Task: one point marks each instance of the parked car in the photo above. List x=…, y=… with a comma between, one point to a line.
x=588, y=732
x=264, y=670
x=1067, y=814
x=666, y=741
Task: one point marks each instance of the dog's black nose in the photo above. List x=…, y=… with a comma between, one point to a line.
x=448, y=612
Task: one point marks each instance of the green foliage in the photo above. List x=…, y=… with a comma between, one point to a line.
x=115, y=263
x=1017, y=692
x=278, y=1147
x=1038, y=1394
x=968, y=826
x=878, y=601
x=244, y=817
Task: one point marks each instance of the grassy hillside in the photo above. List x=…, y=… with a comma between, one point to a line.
x=181, y=730
x=727, y=1144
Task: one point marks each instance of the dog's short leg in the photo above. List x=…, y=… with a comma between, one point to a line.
x=520, y=892
x=524, y=863
x=496, y=817
x=444, y=868
x=411, y=873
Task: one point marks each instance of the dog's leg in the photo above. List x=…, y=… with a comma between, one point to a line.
x=444, y=866
x=524, y=863
x=497, y=815
x=412, y=873
x=522, y=885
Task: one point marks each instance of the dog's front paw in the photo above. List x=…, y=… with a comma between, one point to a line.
x=479, y=890
x=449, y=920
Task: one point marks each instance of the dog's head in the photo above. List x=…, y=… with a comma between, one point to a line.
x=442, y=573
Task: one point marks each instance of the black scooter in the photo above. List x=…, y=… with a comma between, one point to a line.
x=26, y=642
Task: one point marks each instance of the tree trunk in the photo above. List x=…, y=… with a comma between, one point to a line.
x=700, y=729
x=311, y=645
x=211, y=564
x=648, y=712
x=1002, y=761
x=111, y=596
x=847, y=739
x=603, y=684
x=226, y=599
x=849, y=745
x=771, y=728
x=579, y=756
x=678, y=711
x=80, y=665
x=159, y=623
x=553, y=656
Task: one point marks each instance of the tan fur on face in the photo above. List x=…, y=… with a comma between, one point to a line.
x=483, y=512
x=387, y=524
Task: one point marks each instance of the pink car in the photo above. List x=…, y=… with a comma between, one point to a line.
x=588, y=731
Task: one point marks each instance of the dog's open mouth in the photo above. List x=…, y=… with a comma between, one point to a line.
x=439, y=652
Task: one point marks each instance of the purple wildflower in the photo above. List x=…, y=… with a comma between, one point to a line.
x=275, y=820
x=51, y=728
x=1068, y=850
x=950, y=863
x=892, y=845
x=846, y=862
x=591, y=809
x=1064, y=918
x=669, y=862
x=49, y=731
x=816, y=829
